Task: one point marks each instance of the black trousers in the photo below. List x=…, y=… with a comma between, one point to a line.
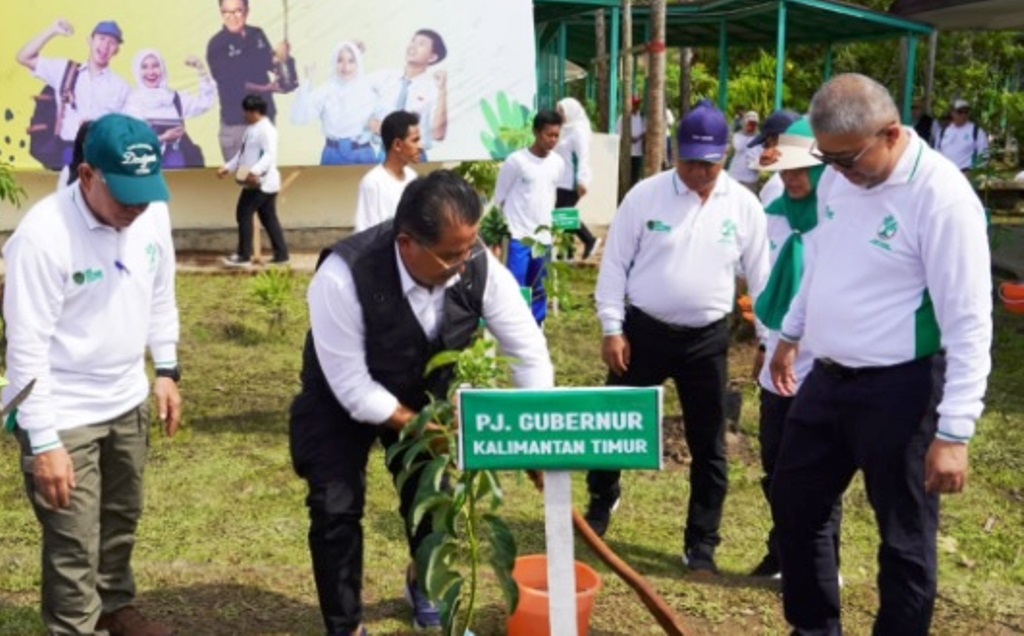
x=330, y=451
x=880, y=421
x=636, y=169
x=254, y=200
x=696, y=360
x=568, y=199
x=772, y=426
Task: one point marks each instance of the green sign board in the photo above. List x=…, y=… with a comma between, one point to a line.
x=565, y=218
x=560, y=429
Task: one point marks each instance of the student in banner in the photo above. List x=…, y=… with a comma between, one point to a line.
x=574, y=148
x=241, y=58
x=166, y=109
x=382, y=187
x=525, y=192
x=414, y=90
x=381, y=304
x=344, y=106
x=95, y=90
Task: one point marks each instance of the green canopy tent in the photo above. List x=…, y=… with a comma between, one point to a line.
x=567, y=28
x=956, y=15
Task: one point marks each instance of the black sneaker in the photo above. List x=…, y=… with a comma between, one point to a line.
x=768, y=567
x=700, y=559
x=599, y=513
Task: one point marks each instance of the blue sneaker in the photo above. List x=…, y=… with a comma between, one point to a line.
x=425, y=614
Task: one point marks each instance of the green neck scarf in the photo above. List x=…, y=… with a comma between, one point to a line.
x=802, y=216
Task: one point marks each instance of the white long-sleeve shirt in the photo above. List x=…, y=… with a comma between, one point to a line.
x=339, y=333
x=259, y=153
x=574, y=149
x=895, y=271
x=96, y=94
x=379, y=194
x=675, y=258
x=79, y=323
x=344, y=109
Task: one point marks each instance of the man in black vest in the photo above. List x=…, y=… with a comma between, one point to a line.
x=382, y=302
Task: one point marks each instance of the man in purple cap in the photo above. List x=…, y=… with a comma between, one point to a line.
x=84, y=92
x=90, y=286
x=666, y=285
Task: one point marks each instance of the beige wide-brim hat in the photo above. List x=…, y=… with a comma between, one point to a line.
x=794, y=153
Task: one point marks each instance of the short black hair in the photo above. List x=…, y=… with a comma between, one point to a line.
x=436, y=43
x=546, y=117
x=256, y=103
x=78, y=151
x=434, y=202
x=396, y=126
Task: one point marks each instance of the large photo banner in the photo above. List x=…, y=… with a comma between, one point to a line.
x=329, y=71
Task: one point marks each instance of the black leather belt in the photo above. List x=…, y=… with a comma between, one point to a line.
x=338, y=143
x=835, y=369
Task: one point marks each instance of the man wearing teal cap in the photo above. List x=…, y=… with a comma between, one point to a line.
x=90, y=284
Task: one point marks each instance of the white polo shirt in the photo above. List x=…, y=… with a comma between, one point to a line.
x=96, y=94
x=420, y=98
x=526, y=192
x=259, y=153
x=336, y=319
x=675, y=258
x=898, y=270
x=82, y=302
x=379, y=194
x=961, y=145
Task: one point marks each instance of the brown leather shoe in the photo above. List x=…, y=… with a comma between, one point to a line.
x=129, y=621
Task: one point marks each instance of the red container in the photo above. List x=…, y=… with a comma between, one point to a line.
x=531, y=617
x=1012, y=295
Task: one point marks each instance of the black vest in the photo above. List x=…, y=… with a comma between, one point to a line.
x=397, y=350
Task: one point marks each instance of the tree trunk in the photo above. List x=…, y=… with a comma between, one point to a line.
x=601, y=70
x=654, y=140
x=685, y=80
x=627, y=97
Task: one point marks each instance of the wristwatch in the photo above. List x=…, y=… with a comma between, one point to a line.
x=173, y=373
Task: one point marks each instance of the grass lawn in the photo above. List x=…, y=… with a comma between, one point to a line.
x=222, y=545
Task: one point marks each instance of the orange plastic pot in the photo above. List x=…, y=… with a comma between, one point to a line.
x=531, y=617
x=1012, y=295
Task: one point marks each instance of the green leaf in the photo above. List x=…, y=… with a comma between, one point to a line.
x=428, y=495
x=450, y=603
x=397, y=449
x=506, y=114
x=503, y=542
x=509, y=587
x=490, y=116
x=426, y=550
x=416, y=426
x=490, y=488
x=440, y=576
x=406, y=473
x=427, y=504
x=417, y=450
x=441, y=359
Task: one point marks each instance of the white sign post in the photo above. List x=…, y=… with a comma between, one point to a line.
x=555, y=431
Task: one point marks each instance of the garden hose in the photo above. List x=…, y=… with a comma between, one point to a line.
x=656, y=605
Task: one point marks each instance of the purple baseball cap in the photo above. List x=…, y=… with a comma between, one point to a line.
x=109, y=27
x=776, y=124
x=703, y=134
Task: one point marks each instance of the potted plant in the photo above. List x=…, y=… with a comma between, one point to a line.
x=467, y=534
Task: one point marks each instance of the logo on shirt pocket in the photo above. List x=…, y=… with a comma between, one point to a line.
x=88, y=276
x=658, y=226
x=886, y=232
x=728, y=231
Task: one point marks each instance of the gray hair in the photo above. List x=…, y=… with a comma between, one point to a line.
x=852, y=103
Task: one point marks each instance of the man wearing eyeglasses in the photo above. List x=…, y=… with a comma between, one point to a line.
x=897, y=271
x=90, y=284
x=961, y=140
x=667, y=283
x=240, y=58
x=382, y=303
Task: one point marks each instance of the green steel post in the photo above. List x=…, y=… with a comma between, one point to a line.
x=723, y=66
x=613, y=71
x=908, y=85
x=828, y=61
x=780, y=56
x=563, y=44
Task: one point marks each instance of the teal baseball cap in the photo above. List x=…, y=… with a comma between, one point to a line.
x=127, y=152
